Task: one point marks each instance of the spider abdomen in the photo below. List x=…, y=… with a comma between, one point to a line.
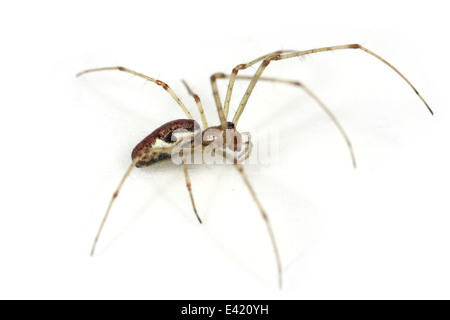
x=152, y=149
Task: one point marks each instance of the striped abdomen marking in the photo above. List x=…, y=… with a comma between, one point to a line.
x=166, y=136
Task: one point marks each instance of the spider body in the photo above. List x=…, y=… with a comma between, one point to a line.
x=159, y=145
x=185, y=134
x=229, y=139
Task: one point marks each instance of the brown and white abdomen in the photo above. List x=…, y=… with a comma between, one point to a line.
x=167, y=137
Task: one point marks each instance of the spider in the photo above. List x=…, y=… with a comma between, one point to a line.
x=178, y=136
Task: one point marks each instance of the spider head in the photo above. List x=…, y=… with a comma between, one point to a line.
x=231, y=139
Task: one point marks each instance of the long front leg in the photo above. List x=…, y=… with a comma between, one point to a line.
x=355, y=46
x=277, y=57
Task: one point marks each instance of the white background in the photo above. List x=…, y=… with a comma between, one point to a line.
x=380, y=231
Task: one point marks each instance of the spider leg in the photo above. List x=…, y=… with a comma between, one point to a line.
x=199, y=104
x=223, y=113
x=223, y=119
x=276, y=57
x=116, y=192
x=188, y=185
x=114, y=196
x=245, y=66
x=312, y=95
x=240, y=168
x=158, y=82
